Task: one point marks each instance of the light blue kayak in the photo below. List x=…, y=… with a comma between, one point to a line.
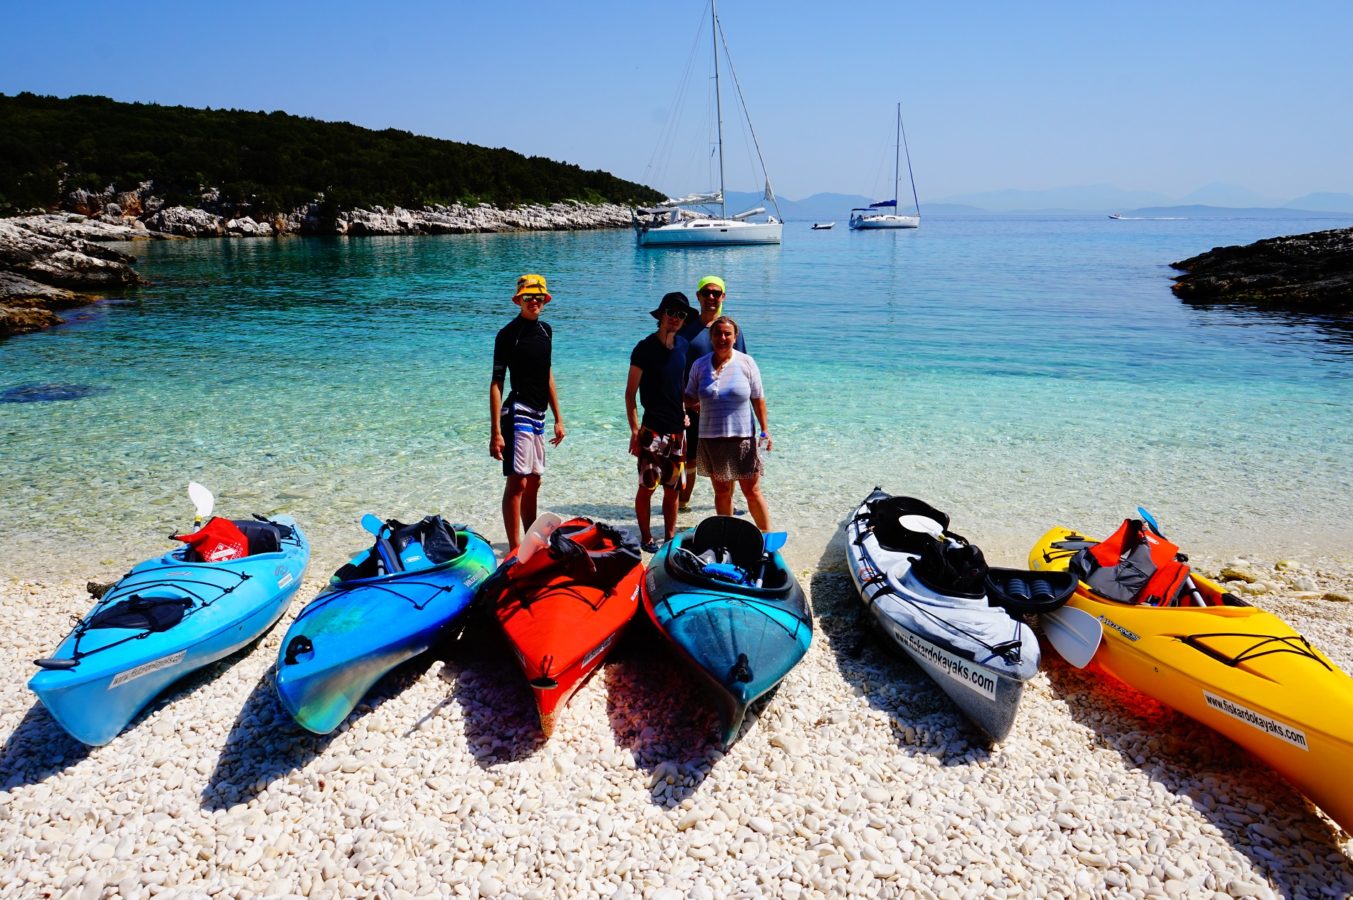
x=389, y=605
x=167, y=617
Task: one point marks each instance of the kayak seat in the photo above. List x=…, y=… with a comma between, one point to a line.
x=741, y=539
x=884, y=514
x=263, y=537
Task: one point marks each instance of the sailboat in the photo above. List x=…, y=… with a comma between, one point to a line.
x=675, y=223
x=884, y=213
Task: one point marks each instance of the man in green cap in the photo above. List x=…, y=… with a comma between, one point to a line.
x=710, y=291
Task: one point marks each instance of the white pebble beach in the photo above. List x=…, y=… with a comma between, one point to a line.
x=857, y=778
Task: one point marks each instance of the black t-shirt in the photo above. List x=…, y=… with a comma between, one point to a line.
x=662, y=383
x=523, y=349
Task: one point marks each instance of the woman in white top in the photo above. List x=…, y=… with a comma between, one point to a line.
x=726, y=386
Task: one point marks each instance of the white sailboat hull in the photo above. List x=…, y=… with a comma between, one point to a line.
x=708, y=233
x=865, y=223
x=872, y=218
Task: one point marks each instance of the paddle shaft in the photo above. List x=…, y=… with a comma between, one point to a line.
x=1189, y=583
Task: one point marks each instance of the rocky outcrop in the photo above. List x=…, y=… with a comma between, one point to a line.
x=112, y=205
x=44, y=270
x=67, y=226
x=459, y=219
x=247, y=227
x=140, y=213
x=185, y=222
x=1311, y=273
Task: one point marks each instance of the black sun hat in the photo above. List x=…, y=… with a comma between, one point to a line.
x=674, y=300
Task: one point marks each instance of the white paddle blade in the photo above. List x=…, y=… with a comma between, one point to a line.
x=923, y=524
x=1073, y=633
x=538, y=535
x=203, y=501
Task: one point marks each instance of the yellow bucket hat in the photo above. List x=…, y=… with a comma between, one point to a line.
x=531, y=284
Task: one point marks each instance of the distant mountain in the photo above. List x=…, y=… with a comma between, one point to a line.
x=833, y=207
x=1197, y=211
x=830, y=207
x=1323, y=201
x=1219, y=194
x=817, y=208
x=1087, y=198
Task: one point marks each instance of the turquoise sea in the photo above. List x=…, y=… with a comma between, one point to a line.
x=1015, y=371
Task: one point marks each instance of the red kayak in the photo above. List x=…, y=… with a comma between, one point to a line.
x=563, y=603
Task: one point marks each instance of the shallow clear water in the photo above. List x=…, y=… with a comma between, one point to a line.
x=1016, y=372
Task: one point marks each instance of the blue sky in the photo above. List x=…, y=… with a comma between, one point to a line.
x=1164, y=97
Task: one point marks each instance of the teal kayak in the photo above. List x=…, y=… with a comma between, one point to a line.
x=390, y=604
x=732, y=610
x=165, y=618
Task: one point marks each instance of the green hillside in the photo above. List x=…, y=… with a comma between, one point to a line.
x=266, y=162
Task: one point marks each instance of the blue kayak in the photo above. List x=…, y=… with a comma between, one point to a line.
x=165, y=618
x=732, y=609
x=388, y=605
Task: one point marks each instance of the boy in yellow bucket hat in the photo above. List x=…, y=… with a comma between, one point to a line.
x=522, y=353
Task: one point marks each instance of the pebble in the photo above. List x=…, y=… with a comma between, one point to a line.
x=761, y=824
x=856, y=779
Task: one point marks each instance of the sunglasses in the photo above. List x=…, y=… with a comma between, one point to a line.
x=711, y=293
x=532, y=298
x=675, y=313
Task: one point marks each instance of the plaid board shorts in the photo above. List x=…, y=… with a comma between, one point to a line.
x=524, y=431
x=662, y=458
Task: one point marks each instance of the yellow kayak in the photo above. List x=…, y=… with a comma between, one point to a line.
x=1237, y=669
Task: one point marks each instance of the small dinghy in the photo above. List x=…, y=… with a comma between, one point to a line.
x=170, y=616
x=928, y=592
x=562, y=600
x=388, y=605
x=733, y=610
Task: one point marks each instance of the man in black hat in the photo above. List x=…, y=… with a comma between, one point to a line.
x=657, y=375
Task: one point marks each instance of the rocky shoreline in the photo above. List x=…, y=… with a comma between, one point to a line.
x=55, y=261
x=1308, y=273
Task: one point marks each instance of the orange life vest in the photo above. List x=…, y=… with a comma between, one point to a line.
x=1133, y=565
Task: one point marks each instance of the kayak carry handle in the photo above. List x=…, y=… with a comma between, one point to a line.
x=298, y=645
x=742, y=669
x=57, y=665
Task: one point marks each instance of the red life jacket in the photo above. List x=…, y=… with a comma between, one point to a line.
x=591, y=553
x=1133, y=565
x=218, y=540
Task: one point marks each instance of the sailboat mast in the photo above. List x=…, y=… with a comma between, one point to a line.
x=897, y=159
x=718, y=103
